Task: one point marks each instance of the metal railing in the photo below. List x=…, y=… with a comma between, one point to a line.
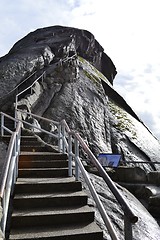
x=10, y=169
x=129, y=217
x=67, y=139
x=20, y=84
x=41, y=77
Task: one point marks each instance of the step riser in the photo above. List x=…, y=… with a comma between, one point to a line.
x=35, y=149
x=43, y=164
x=82, y=236
x=49, y=202
x=42, y=173
x=48, y=188
x=52, y=220
x=43, y=157
x=31, y=143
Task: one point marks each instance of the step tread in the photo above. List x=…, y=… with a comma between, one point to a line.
x=43, y=169
x=28, y=136
x=44, y=180
x=49, y=195
x=48, y=232
x=52, y=211
x=40, y=153
x=43, y=164
x=48, y=160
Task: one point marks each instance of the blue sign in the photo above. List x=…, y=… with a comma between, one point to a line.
x=109, y=159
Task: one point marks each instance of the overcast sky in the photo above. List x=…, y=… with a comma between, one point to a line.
x=128, y=30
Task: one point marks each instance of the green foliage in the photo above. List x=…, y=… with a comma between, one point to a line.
x=92, y=77
x=122, y=120
x=97, y=74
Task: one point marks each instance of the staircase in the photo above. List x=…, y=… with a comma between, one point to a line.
x=48, y=204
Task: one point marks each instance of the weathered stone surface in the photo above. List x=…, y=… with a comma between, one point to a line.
x=75, y=90
x=130, y=175
x=154, y=177
x=1, y=215
x=146, y=227
x=47, y=45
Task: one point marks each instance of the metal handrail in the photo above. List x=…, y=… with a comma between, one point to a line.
x=41, y=76
x=8, y=160
x=20, y=93
x=59, y=136
x=29, y=124
x=39, y=117
x=67, y=146
x=9, y=173
x=108, y=180
x=129, y=216
x=65, y=135
x=20, y=84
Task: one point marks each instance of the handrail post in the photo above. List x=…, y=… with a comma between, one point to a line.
x=76, y=158
x=127, y=228
x=63, y=138
x=59, y=137
x=15, y=113
x=2, y=124
x=70, y=156
x=17, y=154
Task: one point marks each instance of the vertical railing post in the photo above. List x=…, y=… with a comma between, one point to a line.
x=63, y=138
x=60, y=138
x=2, y=125
x=76, y=157
x=70, y=156
x=17, y=154
x=127, y=228
x=15, y=113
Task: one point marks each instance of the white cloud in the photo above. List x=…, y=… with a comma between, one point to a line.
x=141, y=91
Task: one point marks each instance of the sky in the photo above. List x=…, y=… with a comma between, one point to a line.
x=128, y=30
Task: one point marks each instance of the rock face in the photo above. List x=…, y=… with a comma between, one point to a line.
x=44, y=46
x=146, y=227
x=77, y=85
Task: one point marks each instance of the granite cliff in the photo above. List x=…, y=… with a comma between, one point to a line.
x=78, y=86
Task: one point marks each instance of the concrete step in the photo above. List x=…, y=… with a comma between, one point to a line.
x=29, y=139
x=24, y=139
x=36, y=149
x=42, y=200
x=43, y=164
x=42, y=172
x=46, y=185
x=51, y=216
x=88, y=231
x=31, y=143
x=25, y=156
x=47, y=203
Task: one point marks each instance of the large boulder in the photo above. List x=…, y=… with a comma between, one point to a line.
x=79, y=88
